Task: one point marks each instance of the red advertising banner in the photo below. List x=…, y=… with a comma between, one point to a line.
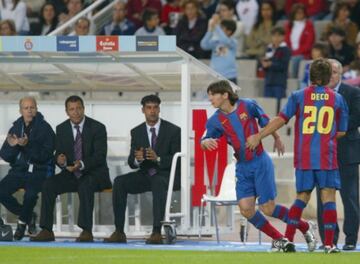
x=107, y=43
x=211, y=157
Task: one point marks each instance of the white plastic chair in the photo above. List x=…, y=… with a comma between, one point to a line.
x=225, y=197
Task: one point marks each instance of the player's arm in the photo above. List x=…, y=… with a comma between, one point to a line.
x=254, y=140
x=210, y=140
x=288, y=111
x=263, y=121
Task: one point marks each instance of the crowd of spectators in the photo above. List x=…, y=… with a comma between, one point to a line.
x=188, y=20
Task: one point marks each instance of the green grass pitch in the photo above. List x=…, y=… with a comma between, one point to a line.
x=28, y=255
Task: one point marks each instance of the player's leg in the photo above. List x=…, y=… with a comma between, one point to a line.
x=328, y=182
x=246, y=195
x=255, y=217
x=266, y=177
x=305, y=182
x=329, y=218
x=265, y=190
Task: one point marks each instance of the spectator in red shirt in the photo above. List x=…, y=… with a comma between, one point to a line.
x=299, y=36
x=135, y=9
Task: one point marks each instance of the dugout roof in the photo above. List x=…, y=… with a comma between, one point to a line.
x=97, y=63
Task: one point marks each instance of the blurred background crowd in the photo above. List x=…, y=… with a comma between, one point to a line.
x=221, y=30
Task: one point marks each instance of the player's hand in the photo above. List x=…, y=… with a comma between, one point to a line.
x=279, y=146
x=209, y=144
x=253, y=141
x=139, y=154
x=151, y=154
x=12, y=140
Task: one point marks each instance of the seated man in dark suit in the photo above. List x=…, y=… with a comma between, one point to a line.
x=81, y=148
x=29, y=148
x=153, y=145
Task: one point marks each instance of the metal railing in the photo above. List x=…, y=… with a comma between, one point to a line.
x=86, y=12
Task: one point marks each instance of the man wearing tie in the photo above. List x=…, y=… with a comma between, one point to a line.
x=153, y=145
x=81, y=148
x=348, y=149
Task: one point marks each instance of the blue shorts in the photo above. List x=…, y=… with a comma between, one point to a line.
x=306, y=180
x=256, y=178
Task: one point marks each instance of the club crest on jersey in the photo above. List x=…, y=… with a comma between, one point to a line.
x=243, y=116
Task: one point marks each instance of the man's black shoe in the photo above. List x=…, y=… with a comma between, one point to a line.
x=32, y=224
x=349, y=247
x=20, y=231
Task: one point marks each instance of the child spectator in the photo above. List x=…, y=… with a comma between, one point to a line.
x=223, y=46
x=151, y=24
x=226, y=10
x=275, y=63
x=319, y=50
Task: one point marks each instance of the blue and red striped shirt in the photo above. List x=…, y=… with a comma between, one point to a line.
x=320, y=114
x=237, y=126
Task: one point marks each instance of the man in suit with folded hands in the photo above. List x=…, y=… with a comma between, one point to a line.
x=153, y=145
x=81, y=148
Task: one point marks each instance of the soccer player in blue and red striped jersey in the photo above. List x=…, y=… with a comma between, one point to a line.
x=321, y=118
x=238, y=119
